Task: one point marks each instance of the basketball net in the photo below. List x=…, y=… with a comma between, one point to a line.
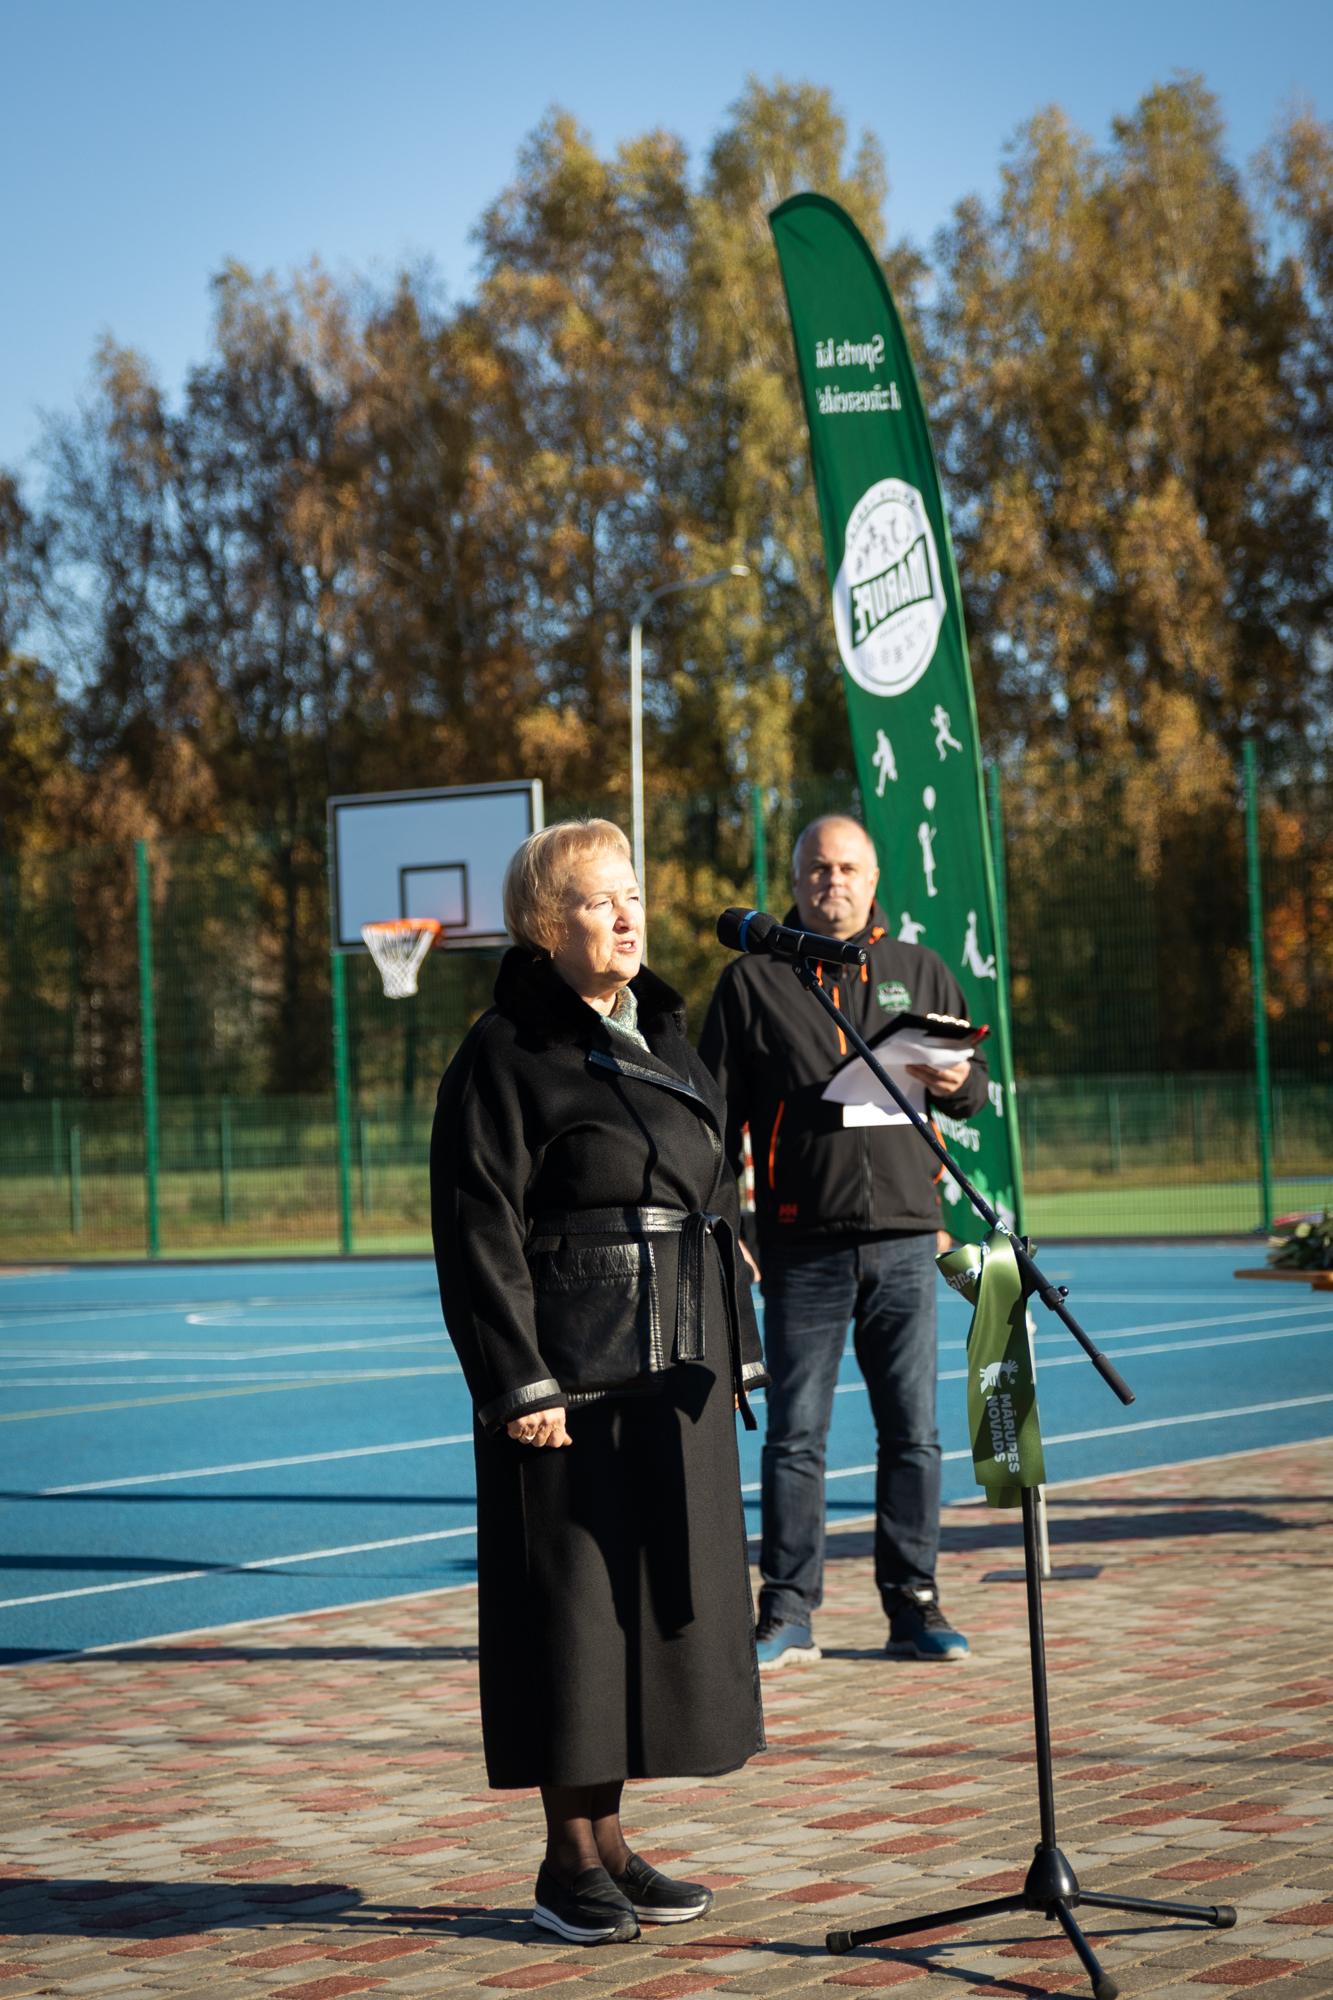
x=398, y=948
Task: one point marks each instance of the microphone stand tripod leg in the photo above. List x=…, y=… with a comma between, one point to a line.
x=1103, y=1986
x=1221, y=1916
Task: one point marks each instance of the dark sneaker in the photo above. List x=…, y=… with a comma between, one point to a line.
x=780, y=1643
x=594, y=1911
x=657, y=1899
x=919, y=1630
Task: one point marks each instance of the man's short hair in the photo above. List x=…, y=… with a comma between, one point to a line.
x=829, y=819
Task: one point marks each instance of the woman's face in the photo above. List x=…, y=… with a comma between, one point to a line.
x=602, y=918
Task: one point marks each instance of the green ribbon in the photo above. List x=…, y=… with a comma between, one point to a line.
x=1001, y=1386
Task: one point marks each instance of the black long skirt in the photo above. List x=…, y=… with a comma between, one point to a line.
x=616, y=1622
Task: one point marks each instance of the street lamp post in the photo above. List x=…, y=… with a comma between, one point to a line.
x=636, y=696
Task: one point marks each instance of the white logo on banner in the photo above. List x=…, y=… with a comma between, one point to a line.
x=883, y=762
x=888, y=601
x=939, y=722
x=981, y=968
x=927, y=835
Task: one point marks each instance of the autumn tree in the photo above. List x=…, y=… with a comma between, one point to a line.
x=377, y=542
x=1138, y=533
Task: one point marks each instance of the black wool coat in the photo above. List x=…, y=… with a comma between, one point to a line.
x=616, y=1626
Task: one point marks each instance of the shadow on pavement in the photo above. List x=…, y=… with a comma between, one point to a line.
x=38, y=1906
x=222, y=1655
x=1154, y=1521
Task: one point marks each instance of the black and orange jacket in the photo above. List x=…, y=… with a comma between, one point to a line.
x=773, y=1050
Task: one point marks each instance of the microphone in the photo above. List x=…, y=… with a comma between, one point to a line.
x=754, y=930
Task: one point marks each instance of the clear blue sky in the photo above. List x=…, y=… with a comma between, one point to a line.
x=144, y=141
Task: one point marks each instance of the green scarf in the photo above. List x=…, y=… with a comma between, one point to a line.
x=624, y=1018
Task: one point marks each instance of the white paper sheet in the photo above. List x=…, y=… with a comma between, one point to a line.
x=863, y=1097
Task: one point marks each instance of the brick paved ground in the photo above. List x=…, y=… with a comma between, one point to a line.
x=301, y=1811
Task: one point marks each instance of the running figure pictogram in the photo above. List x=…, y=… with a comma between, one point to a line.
x=943, y=740
x=983, y=968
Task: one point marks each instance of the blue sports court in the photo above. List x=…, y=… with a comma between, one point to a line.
x=192, y=1446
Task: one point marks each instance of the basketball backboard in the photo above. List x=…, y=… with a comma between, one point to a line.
x=438, y=854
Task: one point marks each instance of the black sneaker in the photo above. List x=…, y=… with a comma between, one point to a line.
x=658, y=1899
x=594, y=1911
x=919, y=1630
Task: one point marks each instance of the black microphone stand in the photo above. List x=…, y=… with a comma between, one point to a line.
x=1051, y=1885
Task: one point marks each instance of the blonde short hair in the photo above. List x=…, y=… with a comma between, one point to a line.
x=538, y=875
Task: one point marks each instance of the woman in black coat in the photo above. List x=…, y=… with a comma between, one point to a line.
x=586, y=1229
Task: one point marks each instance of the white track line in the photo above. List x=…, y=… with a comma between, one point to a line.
x=253, y=1465
x=223, y=1312
x=324, y=1319
x=1174, y=1325
x=249, y=1375
x=25, y=1357
x=1121, y=1430
x=237, y=1569
x=1120, y=1354
x=1164, y=1347
x=1168, y=1423
x=1189, y=1325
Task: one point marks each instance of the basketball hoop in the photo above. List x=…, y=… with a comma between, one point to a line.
x=398, y=948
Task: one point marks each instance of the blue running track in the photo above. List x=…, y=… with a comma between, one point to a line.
x=188, y=1447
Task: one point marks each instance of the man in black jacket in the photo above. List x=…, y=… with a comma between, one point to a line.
x=848, y=1215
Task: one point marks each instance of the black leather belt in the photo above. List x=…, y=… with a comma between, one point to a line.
x=694, y=1227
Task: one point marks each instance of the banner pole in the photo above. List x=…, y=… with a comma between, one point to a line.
x=996, y=801
x=760, y=847
x=1003, y=990
x=636, y=748
x=1258, y=985
x=148, y=1042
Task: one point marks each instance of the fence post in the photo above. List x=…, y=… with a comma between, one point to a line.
x=342, y=1100
x=148, y=1038
x=760, y=847
x=57, y=1144
x=365, y=1166
x=224, y=1147
x=75, y=1182
x=1258, y=984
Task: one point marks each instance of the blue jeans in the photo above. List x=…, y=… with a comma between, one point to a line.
x=811, y=1291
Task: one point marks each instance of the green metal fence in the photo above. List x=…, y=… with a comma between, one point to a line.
x=210, y=1121
x=262, y=1176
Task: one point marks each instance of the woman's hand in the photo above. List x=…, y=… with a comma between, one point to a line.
x=542, y=1427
